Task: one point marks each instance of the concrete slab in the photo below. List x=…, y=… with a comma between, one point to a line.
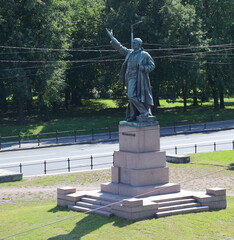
x=9, y=176
x=150, y=190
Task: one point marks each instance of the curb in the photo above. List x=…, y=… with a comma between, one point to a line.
x=113, y=139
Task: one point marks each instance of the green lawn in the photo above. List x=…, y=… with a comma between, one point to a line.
x=225, y=158
x=23, y=214
x=207, y=225
x=65, y=179
x=99, y=113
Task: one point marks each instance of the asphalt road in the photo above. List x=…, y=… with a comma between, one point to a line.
x=17, y=142
x=78, y=157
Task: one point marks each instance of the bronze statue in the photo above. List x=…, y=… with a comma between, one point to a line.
x=135, y=75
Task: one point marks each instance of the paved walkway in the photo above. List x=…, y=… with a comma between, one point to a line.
x=101, y=137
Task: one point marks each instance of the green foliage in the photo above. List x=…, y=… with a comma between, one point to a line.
x=101, y=113
x=120, y=97
x=49, y=27
x=183, y=69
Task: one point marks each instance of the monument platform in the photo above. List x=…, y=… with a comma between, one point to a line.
x=140, y=186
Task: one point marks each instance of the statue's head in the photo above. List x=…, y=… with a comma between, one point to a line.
x=136, y=44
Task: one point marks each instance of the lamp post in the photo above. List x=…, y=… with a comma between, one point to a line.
x=132, y=31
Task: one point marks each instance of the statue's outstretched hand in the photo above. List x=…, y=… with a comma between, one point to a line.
x=110, y=33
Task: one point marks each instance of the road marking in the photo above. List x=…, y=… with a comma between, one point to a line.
x=188, y=138
x=200, y=143
x=96, y=149
x=29, y=156
x=51, y=160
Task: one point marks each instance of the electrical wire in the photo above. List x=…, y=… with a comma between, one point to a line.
x=84, y=60
x=106, y=50
x=106, y=59
x=205, y=62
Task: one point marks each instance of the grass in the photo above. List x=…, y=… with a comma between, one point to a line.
x=206, y=225
x=214, y=161
x=99, y=113
x=225, y=158
x=22, y=214
x=65, y=179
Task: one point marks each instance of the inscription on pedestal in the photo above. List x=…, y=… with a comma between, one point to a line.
x=139, y=139
x=129, y=134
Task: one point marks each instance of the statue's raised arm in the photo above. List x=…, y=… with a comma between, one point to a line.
x=116, y=44
x=110, y=33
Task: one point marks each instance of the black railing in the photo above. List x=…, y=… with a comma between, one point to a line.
x=94, y=134
x=99, y=161
x=57, y=137
x=195, y=148
x=64, y=165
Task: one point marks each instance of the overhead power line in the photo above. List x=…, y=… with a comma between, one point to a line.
x=111, y=50
x=202, y=63
x=110, y=60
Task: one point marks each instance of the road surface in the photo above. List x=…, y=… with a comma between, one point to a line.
x=78, y=157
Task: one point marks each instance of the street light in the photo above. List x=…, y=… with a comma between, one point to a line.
x=132, y=32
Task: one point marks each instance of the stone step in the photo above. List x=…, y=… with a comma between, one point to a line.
x=106, y=197
x=181, y=211
x=90, y=210
x=96, y=201
x=176, y=202
x=179, y=206
x=170, y=199
x=92, y=206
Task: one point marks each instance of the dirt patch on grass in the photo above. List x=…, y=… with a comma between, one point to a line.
x=188, y=175
x=199, y=177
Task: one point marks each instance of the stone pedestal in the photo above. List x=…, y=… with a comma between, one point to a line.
x=139, y=186
x=139, y=165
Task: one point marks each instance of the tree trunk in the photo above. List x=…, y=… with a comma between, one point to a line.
x=195, y=101
x=43, y=109
x=76, y=98
x=216, y=99
x=185, y=104
x=221, y=97
x=214, y=89
x=29, y=102
x=67, y=97
x=3, y=101
x=184, y=92
x=20, y=112
x=156, y=104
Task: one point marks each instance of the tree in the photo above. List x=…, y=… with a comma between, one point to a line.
x=217, y=24
x=49, y=27
x=88, y=24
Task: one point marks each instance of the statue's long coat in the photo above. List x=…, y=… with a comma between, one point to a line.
x=144, y=93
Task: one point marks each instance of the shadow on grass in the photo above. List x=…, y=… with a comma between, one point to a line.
x=231, y=167
x=59, y=209
x=91, y=223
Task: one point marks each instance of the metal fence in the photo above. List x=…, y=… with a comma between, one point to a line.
x=93, y=134
x=48, y=138
x=61, y=165
x=92, y=162
x=198, y=148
